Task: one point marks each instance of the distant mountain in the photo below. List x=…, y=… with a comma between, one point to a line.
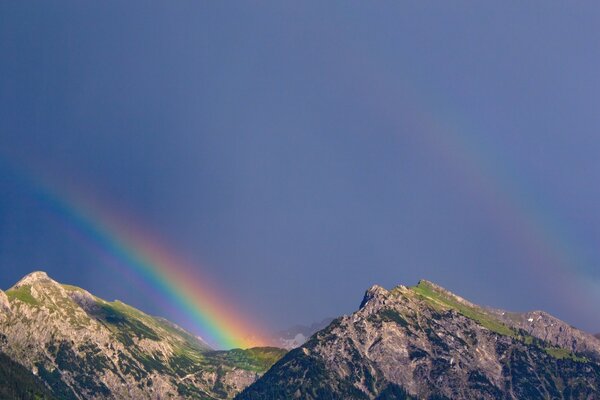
x=425, y=342
x=81, y=346
x=298, y=334
x=597, y=335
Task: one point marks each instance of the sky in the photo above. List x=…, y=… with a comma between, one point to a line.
x=296, y=153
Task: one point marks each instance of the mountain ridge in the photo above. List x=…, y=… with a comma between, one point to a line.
x=421, y=341
x=426, y=342
x=82, y=346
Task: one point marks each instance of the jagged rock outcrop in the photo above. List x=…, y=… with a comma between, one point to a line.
x=425, y=342
x=83, y=347
x=34, y=278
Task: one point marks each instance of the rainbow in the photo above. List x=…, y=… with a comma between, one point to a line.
x=144, y=257
x=551, y=252
x=550, y=247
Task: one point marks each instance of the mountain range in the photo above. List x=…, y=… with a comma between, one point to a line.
x=59, y=341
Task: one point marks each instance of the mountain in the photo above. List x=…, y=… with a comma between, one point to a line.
x=16, y=382
x=597, y=335
x=81, y=346
x=425, y=342
x=298, y=334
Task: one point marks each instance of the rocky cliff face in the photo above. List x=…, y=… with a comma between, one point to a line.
x=427, y=343
x=84, y=347
x=4, y=304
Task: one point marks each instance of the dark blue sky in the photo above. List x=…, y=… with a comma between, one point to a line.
x=299, y=152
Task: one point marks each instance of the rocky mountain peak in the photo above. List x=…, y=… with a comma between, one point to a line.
x=37, y=277
x=375, y=292
x=426, y=342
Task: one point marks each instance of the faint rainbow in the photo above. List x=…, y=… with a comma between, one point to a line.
x=170, y=278
x=549, y=245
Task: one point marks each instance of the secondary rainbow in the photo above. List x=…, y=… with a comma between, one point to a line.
x=550, y=246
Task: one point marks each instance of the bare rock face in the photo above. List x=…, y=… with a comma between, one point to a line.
x=544, y=326
x=4, y=304
x=424, y=342
x=83, y=347
x=375, y=296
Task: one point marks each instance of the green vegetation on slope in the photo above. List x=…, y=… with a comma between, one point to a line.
x=437, y=298
x=117, y=317
x=257, y=359
x=561, y=354
x=23, y=294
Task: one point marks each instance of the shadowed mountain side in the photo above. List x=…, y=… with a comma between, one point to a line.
x=16, y=382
